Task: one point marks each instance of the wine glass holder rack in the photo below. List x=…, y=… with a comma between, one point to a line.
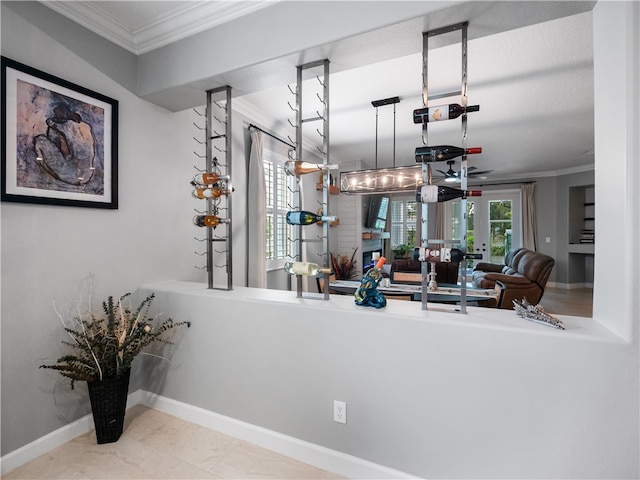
x=322, y=116
x=427, y=276
x=217, y=143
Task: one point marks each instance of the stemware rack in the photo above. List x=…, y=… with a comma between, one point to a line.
x=217, y=159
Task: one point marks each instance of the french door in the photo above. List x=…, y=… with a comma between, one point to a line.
x=493, y=224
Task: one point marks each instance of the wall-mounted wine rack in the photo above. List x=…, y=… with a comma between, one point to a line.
x=217, y=158
x=426, y=167
x=321, y=116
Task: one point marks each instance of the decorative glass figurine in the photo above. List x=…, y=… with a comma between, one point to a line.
x=367, y=294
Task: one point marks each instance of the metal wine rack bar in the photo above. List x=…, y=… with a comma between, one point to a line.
x=321, y=115
x=218, y=145
x=426, y=167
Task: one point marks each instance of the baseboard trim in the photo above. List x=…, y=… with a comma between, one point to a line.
x=569, y=286
x=62, y=435
x=340, y=463
x=331, y=460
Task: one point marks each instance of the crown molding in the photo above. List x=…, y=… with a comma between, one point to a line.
x=161, y=30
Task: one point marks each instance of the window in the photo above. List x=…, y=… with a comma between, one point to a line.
x=404, y=215
x=279, y=191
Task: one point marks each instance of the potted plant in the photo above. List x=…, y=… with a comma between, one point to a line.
x=401, y=250
x=344, y=267
x=102, y=351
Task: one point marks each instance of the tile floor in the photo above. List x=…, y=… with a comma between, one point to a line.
x=155, y=445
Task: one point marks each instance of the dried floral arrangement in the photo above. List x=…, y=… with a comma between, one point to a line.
x=344, y=266
x=105, y=347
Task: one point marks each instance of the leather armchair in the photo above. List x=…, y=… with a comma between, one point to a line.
x=524, y=274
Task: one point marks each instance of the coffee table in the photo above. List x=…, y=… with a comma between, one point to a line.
x=445, y=293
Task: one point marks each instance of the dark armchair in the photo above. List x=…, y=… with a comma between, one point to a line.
x=524, y=274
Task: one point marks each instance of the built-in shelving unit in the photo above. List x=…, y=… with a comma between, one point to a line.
x=581, y=219
x=581, y=235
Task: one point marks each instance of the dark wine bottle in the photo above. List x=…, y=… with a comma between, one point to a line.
x=440, y=153
x=442, y=193
x=441, y=112
x=457, y=255
x=306, y=218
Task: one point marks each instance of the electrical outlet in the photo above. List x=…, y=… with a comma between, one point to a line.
x=339, y=412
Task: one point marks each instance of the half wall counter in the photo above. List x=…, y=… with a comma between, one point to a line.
x=424, y=389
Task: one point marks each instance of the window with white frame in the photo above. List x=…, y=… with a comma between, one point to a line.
x=279, y=192
x=404, y=216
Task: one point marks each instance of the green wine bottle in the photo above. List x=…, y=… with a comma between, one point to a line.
x=306, y=218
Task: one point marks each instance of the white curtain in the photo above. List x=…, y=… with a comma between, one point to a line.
x=256, y=213
x=529, y=232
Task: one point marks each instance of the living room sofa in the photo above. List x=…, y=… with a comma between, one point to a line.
x=410, y=271
x=524, y=274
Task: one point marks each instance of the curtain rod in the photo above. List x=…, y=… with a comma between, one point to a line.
x=251, y=125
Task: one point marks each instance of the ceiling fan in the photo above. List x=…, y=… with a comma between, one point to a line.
x=451, y=175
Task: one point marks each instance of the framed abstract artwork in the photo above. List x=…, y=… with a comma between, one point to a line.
x=59, y=141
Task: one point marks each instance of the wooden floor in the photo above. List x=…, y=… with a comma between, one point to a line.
x=576, y=302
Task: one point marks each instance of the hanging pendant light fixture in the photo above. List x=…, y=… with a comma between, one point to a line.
x=382, y=180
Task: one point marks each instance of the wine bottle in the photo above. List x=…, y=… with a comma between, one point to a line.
x=298, y=167
x=442, y=152
x=306, y=218
x=367, y=293
x=211, y=192
x=441, y=112
x=427, y=254
x=207, y=178
x=442, y=193
x=209, y=220
x=454, y=255
x=305, y=268
x=457, y=255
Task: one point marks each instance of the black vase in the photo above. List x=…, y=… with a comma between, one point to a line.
x=108, y=405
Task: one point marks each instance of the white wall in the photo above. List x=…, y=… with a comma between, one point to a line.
x=48, y=250
x=436, y=395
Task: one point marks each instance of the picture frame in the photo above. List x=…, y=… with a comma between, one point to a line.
x=60, y=141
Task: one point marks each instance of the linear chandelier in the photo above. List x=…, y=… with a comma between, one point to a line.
x=382, y=180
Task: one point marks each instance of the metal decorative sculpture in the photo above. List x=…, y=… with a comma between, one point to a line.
x=535, y=313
